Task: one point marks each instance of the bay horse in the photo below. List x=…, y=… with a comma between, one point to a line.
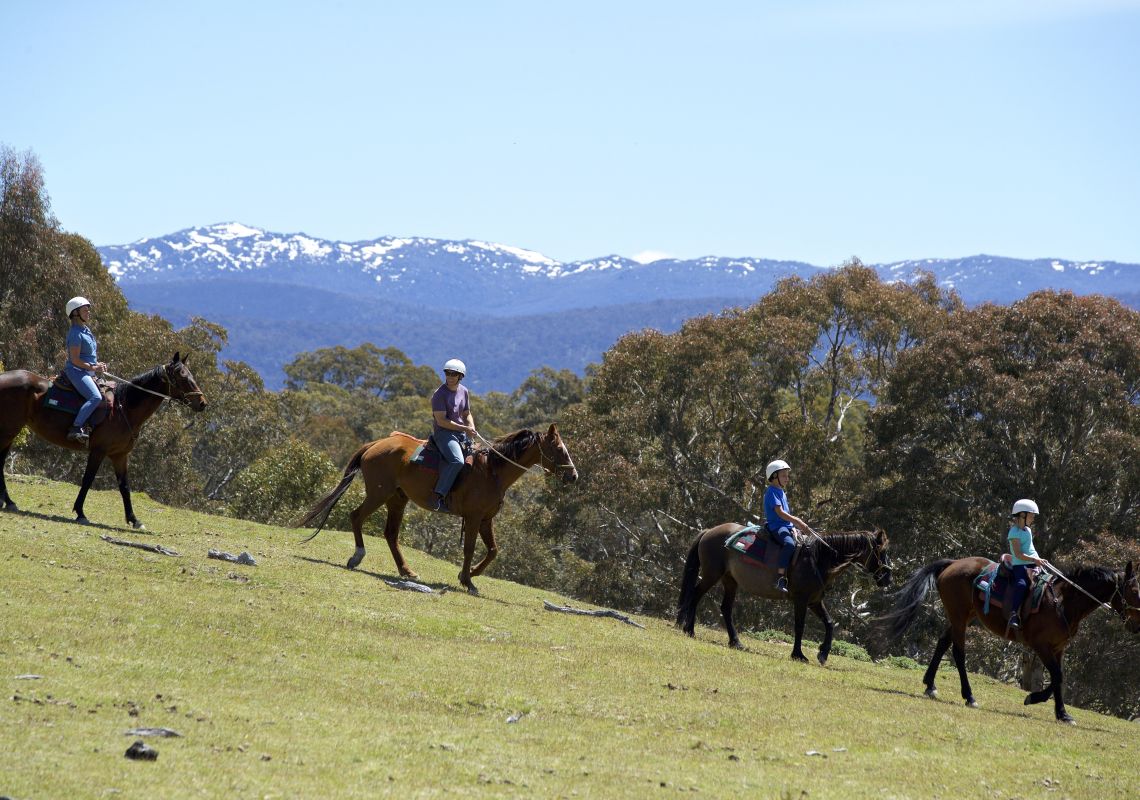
x=21, y=403
x=1046, y=632
x=391, y=479
x=820, y=561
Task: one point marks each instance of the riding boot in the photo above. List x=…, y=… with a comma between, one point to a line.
x=77, y=434
x=1014, y=621
x=781, y=584
x=438, y=503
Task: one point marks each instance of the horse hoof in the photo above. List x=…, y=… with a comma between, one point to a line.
x=10, y=507
x=356, y=558
x=407, y=573
x=800, y=657
x=471, y=590
x=971, y=703
x=138, y=526
x=736, y=645
x=932, y=693
x=1066, y=719
x=82, y=521
x=822, y=660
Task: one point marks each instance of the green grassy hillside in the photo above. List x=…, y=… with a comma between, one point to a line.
x=298, y=678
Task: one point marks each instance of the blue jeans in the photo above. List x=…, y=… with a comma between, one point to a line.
x=450, y=444
x=1020, y=586
x=784, y=537
x=85, y=385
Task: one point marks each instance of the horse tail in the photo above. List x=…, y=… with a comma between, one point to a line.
x=911, y=595
x=689, y=579
x=319, y=513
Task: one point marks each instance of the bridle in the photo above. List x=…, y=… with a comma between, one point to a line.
x=884, y=560
x=542, y=456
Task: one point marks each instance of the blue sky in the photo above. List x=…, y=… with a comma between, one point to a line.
x=809, y=130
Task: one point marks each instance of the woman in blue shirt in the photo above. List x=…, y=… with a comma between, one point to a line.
x=778, y=519
x=1024, y=555
x=83, y=365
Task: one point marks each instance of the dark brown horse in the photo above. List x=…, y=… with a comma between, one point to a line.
x=819, y=561
x=21, y=403
x=1046, y=632
x=390, y=479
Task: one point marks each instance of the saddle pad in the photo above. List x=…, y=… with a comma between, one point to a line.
x=752, y=543
x=69, y=402
x=995, y=588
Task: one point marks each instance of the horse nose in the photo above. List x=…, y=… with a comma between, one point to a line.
x=570, y=476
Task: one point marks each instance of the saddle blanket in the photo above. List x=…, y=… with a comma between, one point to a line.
x=70, y=401
x=995, y=587
x=752, y=544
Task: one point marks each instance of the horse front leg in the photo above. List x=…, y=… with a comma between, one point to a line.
x=829, y=629
x=396, y=504
x=120, y=465
x=94, y=459
x=487, y=534
x=470, y=532
x=1056, y=677
x=801, y=614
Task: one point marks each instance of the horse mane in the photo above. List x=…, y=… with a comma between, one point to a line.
x=513, y=445
x=128, y=393
x=1088, y=576
x=844, y=545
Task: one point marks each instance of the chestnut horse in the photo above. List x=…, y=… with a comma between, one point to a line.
x=390, y=479
x=1046, y=632
x=820, y=560
x=21, y=403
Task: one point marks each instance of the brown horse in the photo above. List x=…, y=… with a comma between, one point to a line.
x=21, y=403
x=390, y=479
x=1046, y=632
x=819, y=561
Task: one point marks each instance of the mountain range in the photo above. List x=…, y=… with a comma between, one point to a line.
x=504, y=310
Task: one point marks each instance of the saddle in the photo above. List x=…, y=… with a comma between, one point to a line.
x=63, y=396
x=757, y=548
x=995, y=587
x=427, y=455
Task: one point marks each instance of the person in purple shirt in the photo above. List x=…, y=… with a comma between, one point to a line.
x=451, y=423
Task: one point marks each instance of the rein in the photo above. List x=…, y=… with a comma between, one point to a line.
x=1050, y=568
x=541, y=456
x=151, y=391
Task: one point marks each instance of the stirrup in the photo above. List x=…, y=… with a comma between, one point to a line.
x=782, y=584
x=440, y=503
x=1015, y=621
x=78, y=435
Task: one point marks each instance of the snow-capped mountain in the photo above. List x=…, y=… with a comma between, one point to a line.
x=515, y=309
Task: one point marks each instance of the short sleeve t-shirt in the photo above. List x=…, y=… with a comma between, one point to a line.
x=773, y=497
x=454, y=405
x=1025, y=536
x=81, y=336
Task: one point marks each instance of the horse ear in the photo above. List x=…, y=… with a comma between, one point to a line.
x=553, y=431
x=175, y=359
x=186, y=361
x=1128, y=572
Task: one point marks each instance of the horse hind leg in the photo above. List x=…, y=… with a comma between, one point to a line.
x=726, y=605
x=373, y=498
x=688, y=614
x=396, y=505
x=932, y=671
x=8, y=503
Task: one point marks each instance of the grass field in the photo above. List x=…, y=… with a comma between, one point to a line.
x=297, y=678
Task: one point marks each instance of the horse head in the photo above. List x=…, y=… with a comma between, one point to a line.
x=554, y=457
x=1130, y=599
x=878, y=562
x=181, y=383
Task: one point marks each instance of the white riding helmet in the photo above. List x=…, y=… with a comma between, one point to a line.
x=1025, y=505
x=455, y=365
x=76, y=302
x=775, y=467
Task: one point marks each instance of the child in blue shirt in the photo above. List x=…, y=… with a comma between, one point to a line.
x=778, y=519
x=1023, y=554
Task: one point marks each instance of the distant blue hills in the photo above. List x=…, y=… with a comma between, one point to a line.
x=504, y=310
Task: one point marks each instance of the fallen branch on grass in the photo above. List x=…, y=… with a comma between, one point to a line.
x=549, y=606
x=153, y=548
x=244, y=558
